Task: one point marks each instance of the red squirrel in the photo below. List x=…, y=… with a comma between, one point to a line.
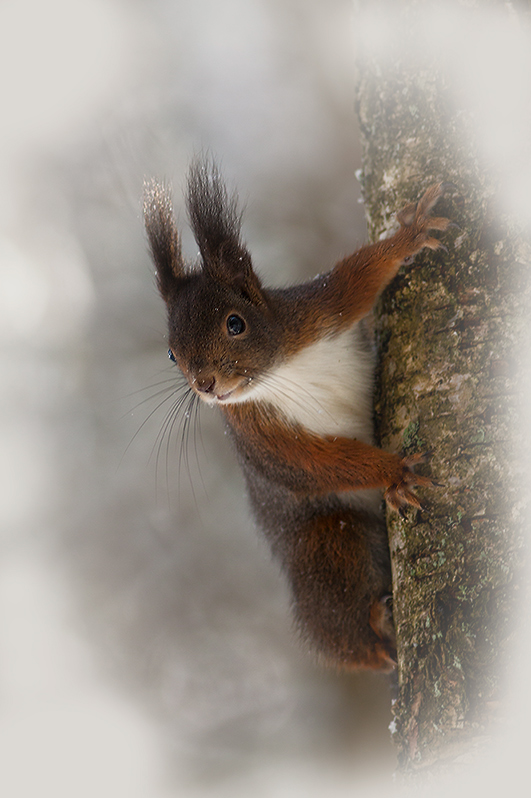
x=291, y=370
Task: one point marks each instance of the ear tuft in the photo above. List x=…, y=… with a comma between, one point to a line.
x=214, y=215
x=163, y=236
x=216, y=223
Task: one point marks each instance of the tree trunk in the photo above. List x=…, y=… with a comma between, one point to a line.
x=449, y=330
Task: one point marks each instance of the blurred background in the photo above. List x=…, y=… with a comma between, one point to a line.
x=146, y=640
x=146, y=634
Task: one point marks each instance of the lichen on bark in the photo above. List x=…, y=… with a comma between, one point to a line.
x=448, y=332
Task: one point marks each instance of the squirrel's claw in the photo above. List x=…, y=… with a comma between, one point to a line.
x=400, y=496
x=417, y=218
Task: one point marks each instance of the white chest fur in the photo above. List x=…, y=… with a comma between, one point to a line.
x=326, y=388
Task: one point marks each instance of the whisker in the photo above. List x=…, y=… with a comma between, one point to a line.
x=166, y=381
x=183, y=412
x=165, y=433
x=149, y=416
x=197, y=430
x=282, y=384
x=167, y=425
x=190, y=412
x=155, y=395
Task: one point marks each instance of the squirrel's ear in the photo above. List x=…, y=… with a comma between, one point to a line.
x=163, y=237
x=216, y=224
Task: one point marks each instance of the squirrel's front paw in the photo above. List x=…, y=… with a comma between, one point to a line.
x=400, y=495
x=417, y=219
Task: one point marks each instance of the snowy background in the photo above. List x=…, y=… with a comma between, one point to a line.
x=146, y=642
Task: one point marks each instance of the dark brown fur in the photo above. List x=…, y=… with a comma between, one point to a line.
x=332, y=546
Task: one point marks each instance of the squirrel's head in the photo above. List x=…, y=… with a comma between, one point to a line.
x=221, y=331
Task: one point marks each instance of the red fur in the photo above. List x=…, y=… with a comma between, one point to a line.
x=309, y=463
x=331, y=542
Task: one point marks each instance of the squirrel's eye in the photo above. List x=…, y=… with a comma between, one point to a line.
x=171, y=356
x=235, y=324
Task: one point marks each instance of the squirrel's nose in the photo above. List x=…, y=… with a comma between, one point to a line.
x=205, y=384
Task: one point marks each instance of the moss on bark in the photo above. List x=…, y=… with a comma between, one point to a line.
x=449, y=331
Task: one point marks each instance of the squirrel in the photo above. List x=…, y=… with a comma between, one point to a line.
x=291, y=370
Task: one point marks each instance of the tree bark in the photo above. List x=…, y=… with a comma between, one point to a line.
x=449, y=331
